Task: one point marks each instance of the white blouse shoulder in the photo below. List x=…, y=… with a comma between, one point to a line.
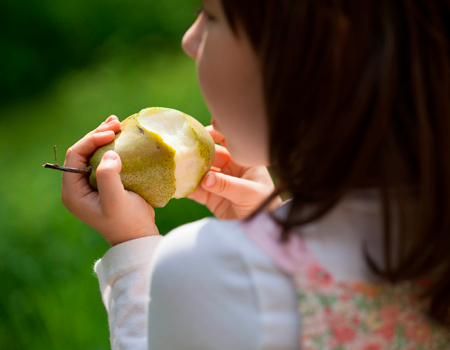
x=212, y=288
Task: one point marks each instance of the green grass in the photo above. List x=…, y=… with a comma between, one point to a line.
x=50, y=298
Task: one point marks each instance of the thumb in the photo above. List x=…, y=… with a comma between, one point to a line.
x=109, y=184
x=228, y=187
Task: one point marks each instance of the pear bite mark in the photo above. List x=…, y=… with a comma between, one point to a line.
x=176, y=131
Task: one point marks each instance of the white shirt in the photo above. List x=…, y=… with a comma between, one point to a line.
x=210, y=288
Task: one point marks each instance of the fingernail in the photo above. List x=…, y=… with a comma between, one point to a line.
x=110, y=155
x=110, y=118
x=210, y=180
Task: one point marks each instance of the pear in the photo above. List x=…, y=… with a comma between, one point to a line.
x=165, y=154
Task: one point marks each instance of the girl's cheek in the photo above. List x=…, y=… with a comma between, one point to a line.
x=206, y=73
x=205, y=87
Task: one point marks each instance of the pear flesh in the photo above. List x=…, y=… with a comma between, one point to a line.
x=164, y=152
x=178, y=134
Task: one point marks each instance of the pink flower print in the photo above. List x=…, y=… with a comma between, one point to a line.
x=374, y=321
x=411, y=317
x=387, y=331
x=344, y=297
x=390, y=313
x=346, y=309
x=303, y=338
x=355, y=320
x=372, y=346
x=315, y=325
x=344, y=334
x=318, y=276
x=336, y=320
x=369, y=342
x=417, y=332
x=309, y=348
x=332, y=343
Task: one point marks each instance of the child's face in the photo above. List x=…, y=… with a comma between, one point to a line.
x=231, y=83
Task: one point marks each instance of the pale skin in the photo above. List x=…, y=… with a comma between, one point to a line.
x=243, y=181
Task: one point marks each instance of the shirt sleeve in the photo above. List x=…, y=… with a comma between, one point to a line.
x=123, y=277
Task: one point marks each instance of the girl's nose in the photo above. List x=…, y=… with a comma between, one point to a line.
x=192, y=39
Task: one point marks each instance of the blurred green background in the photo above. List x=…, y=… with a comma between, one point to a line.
x=65, y=67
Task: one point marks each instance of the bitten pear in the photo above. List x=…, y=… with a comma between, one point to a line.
x=164, y=152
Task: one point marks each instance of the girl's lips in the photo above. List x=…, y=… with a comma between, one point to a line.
x=214, y=124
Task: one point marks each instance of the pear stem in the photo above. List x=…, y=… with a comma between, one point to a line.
x=86, y=171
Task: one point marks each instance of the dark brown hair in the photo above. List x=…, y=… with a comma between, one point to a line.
x=358, y=94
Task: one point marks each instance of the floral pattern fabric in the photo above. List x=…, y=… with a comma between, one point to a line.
x=360, y=316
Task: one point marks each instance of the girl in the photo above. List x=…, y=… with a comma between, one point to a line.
x=348, y=100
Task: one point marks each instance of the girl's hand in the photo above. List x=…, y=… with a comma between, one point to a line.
x=118, y=215
x=235, y=191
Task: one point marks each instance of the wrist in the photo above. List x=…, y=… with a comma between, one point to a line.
x=115, y=238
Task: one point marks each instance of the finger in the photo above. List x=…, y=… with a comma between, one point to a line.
x=229, y=187
x=223, y=161
x=77, y=155
x=109, y=124
x=111, y=117
x=199, y=195
x=222, y=157
x=216, y=136
x=110, y=188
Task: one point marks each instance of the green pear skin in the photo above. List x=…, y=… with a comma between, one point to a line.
x=148, y=164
